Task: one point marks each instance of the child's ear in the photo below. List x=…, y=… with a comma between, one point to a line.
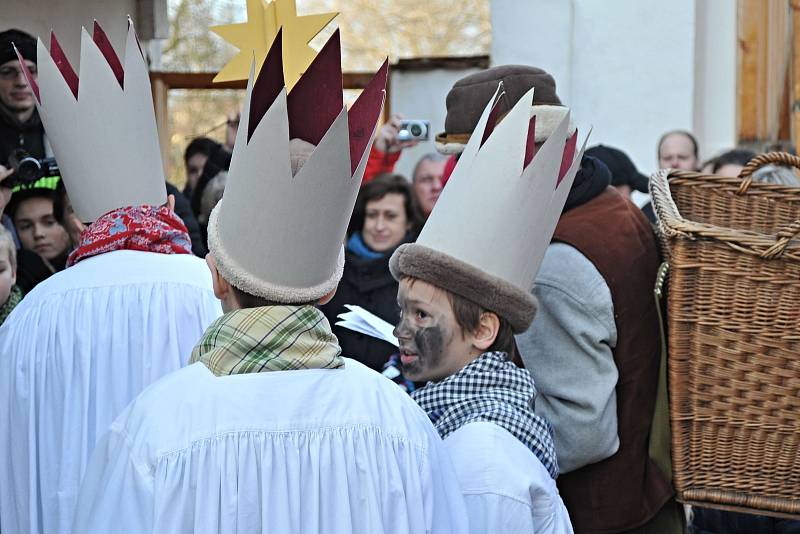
x=487, y=331
x=221, y=286
x=327, y=298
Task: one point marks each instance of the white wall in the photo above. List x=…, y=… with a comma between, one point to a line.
x=421, y=95
x=716, y=77
x=66, y=17
x=632, y=69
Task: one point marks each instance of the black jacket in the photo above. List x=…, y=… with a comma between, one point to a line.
x=28, y=135
x=184, y=210
x=32, y=269
x=369, y=284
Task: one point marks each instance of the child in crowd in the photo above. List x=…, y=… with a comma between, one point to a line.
x=10, y=293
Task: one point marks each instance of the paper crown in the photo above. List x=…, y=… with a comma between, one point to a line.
x=101, y=125
x=488, y=232
x=279, y=236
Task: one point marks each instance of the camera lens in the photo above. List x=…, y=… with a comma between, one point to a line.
x=416, y=130
x=29, y=170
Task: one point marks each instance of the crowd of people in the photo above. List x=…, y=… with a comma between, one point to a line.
x=170, y=362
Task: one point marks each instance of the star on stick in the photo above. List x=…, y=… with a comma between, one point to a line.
x=255, y=37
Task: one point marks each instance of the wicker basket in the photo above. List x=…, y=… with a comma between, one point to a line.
x=734, y=337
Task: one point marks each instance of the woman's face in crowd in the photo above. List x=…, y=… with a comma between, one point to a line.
x=39, y=230
x=385, y=222
x=432, y=345
x=677, y=152
x=8, y=275
x=194, y=168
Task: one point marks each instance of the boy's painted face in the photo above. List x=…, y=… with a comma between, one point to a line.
x=432, y=344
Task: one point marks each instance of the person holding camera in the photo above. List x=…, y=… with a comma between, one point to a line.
x=386, y=148
x=128, y=308
x=20, y=126
x=428, y=177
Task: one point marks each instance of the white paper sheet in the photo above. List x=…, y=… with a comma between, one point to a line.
x=360, y=320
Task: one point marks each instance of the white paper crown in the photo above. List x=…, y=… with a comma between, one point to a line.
x=488, y=232
x=279, y=236
x=101, y=125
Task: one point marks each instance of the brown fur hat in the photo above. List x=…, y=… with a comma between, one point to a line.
x=494, y=294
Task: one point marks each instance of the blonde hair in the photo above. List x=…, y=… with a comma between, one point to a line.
x=7, y=242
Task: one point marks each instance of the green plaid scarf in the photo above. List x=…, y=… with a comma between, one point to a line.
x=271, y=338
x=14, y=297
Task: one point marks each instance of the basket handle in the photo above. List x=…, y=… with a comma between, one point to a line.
x=779, y=158
x=782, y=239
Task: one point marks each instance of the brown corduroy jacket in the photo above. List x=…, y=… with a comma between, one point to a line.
x=626, y=490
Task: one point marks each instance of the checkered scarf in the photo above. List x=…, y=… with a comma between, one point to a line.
x=490, y=388
x=271, y=338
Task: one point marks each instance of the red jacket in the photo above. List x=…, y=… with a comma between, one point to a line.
x=378, y=163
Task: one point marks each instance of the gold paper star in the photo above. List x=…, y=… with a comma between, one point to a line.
x=256, y=35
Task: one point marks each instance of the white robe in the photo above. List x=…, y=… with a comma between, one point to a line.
x=506, y=488
x=319, y=451
x=73, y=354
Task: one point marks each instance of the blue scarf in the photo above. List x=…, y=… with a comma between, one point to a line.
x=357, y=246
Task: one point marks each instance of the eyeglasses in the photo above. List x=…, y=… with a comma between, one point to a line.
x=12, y=73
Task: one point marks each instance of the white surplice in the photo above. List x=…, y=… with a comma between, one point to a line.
x=73, y=354
x=326, y=451
x=506, y=488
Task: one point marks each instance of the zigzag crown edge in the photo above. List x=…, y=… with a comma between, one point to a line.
x=312, y=113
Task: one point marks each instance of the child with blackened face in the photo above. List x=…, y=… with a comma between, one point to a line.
x=440, y=332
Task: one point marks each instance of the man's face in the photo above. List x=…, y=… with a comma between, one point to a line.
x=432, y=344
x=428, y=184
x=677, y=152
x=14, y=91
x=194, y=168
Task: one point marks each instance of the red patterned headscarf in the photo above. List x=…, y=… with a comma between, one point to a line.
x=146, y=228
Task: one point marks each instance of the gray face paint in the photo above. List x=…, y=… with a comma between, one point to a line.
x=427, y=343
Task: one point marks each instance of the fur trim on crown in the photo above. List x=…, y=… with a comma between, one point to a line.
x=240, y=278
x=547, y=120
x=492, y=293
x=450, y=148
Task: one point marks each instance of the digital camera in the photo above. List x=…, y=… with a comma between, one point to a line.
x=28, y=169
x=414, y=130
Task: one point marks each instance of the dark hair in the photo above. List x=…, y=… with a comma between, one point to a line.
x=200, y=145
x=695, y=146
x=468, y=316
x=737, y=156
x=25, y=194
x=382, y=185
x=246, y=300
x=60, y=203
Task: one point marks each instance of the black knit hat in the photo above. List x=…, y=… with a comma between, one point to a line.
x=623, y=171
x=24, y=42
